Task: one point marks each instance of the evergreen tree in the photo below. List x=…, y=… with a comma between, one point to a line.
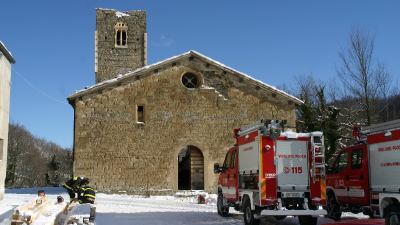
x=317, y=115
x=327, y=118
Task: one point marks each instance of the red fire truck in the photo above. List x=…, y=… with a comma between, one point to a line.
x=269, y=172
x=366, y=176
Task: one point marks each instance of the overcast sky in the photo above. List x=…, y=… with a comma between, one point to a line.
x=273, y=41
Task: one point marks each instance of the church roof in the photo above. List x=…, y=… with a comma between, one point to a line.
x=120, y=78
x=6, y=53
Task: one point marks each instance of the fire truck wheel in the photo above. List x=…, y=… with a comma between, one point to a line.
x=392, y=215
x=333, y=207
x=279, y=217
x=308, y=220
x=248, y=214
x=368, y=212
x=222, y=210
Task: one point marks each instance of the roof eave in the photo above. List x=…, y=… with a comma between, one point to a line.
x=6, y=53
x=111, y=82
x=128, y=75
x=249, y=78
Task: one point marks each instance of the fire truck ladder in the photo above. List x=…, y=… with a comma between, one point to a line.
x=318, y=156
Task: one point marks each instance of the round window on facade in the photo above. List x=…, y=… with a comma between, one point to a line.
x=191, y=80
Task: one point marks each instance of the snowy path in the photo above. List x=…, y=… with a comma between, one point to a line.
x=161, y=210
x=157, y=210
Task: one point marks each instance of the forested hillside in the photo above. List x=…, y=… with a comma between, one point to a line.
x=33, y=161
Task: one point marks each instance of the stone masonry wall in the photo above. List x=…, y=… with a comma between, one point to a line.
x=112, y=60
x=118, y=153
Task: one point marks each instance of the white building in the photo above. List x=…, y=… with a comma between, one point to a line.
x=6, y=59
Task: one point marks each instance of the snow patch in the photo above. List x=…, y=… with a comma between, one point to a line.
x=293, y=135
x=205, y=87
x=50, y=215
x=120, y=14
x=357, y=216
x=193, y=195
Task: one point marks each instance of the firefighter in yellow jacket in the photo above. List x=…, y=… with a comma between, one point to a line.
x=86, y=195
x=74, y=185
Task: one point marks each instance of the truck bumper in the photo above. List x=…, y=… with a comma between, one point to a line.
x=319, y=212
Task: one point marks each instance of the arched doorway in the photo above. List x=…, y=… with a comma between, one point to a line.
x=190, y=169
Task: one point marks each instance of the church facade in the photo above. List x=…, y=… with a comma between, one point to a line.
x=161, y=127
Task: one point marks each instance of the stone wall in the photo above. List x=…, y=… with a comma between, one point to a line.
x=118, y=153
x=112, y=60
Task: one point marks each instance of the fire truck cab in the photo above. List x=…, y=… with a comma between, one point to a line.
x=269, y=172
x=366, y=176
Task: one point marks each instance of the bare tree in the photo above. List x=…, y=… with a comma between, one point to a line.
x=386, y=89
x=306, y=88
x=360, y=74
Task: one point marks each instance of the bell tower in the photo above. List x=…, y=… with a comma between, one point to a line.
x=120, y=42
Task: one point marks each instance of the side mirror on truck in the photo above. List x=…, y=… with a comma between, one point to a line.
x=217, y=168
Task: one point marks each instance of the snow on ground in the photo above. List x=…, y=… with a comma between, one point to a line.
x=124, y=209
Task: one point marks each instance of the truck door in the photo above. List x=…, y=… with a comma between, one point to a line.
x=358, y=189
x=340, y=174
x=229, y=175
x=233, y=175
x=223, y=177
x=292, y=165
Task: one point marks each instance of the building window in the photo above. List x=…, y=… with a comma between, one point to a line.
x=140, y=113
x=191, y=80
x=121, y=37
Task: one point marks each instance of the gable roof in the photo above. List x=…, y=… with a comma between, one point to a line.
x=6, y=53
x=118, y=79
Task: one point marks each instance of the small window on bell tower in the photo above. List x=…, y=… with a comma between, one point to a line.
x=121, y=37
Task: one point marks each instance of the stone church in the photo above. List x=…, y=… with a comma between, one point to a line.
x=161, y=127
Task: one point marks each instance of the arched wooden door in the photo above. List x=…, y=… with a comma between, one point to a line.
x=190, y=169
